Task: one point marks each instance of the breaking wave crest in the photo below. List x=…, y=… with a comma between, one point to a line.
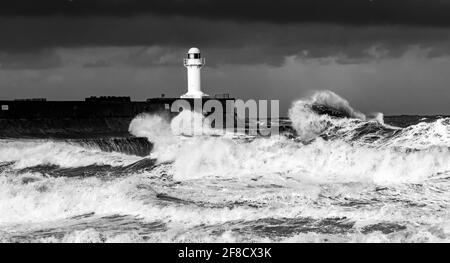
x=128, y=145
x=323, y=111
x=27, y=153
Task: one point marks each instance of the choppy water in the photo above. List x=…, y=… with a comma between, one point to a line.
x=351, y=179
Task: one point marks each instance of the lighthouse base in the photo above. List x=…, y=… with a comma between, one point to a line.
x=194, y=95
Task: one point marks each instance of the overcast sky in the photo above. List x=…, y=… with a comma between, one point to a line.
x=381, y=55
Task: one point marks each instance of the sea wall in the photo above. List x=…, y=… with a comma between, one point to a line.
x=77, y=119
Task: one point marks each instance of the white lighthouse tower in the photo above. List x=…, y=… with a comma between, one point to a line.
x=194, y=63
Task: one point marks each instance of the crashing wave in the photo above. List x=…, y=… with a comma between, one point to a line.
x=327, y=115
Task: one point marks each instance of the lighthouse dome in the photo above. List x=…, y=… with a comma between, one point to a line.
x=194, y=50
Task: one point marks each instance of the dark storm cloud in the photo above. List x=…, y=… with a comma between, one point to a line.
x=233, y=32
x=226, y=41
x=403, y=12
x=44, y=59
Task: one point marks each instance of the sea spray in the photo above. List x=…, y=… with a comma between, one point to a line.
x=191, y=123
x=308, y=123
x=154, y=127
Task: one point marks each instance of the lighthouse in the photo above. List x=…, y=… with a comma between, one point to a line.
x=194, y=63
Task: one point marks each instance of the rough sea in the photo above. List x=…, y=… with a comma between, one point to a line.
x=325, y=179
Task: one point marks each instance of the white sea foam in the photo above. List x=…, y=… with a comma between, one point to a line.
x=222, y=188
x=320, y=160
